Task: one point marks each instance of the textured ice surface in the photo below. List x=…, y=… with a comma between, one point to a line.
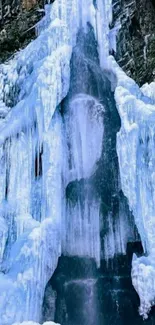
x=136, y=153
x=84, y=132
x=118, y=232
x=82, y=228
x=84, y=137
x=32, y=85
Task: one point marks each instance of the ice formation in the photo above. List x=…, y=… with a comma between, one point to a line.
x=135, y=148
x=35, y=169
x=32, y=86
x=118, y=234
x=84, y=117
x=32, y=179
x=81, y=230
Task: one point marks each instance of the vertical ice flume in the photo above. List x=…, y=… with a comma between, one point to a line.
x=84, y=131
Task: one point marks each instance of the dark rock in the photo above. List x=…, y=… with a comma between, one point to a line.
x=48, y=311
x=17, y=24
x=17, y=31
x=136, y=38
x=88, y=296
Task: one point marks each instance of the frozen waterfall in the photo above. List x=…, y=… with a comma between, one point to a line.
x=48, y=157
x=136, y=153
x=81, y=230
x=34, y=167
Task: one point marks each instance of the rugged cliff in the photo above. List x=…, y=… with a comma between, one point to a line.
x=17, y=22
x=136, y=38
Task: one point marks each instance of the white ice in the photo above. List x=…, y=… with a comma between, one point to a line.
x=84, y=132
x=136, y=154
x=84, y=136
x=118, y=232
x=32, y=86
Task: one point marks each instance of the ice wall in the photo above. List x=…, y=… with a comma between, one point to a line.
x=136, y=148
x=32, y=86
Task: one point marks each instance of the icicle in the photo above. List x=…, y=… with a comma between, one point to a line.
x=104, y=18
x=52, y=167
x=82, y=229
x=119, y=232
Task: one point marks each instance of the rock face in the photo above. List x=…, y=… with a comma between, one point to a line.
x=87, y=296
x=28, y=4
x=17, y=21
x=136, y=38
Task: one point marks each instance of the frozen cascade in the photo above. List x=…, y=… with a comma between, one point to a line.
x=34, y=169
x=135, y=148
x=81, y=233
x=118, y=234
x=32, y=233
x=33, y=84
x=31, y=256
x=84, y=117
